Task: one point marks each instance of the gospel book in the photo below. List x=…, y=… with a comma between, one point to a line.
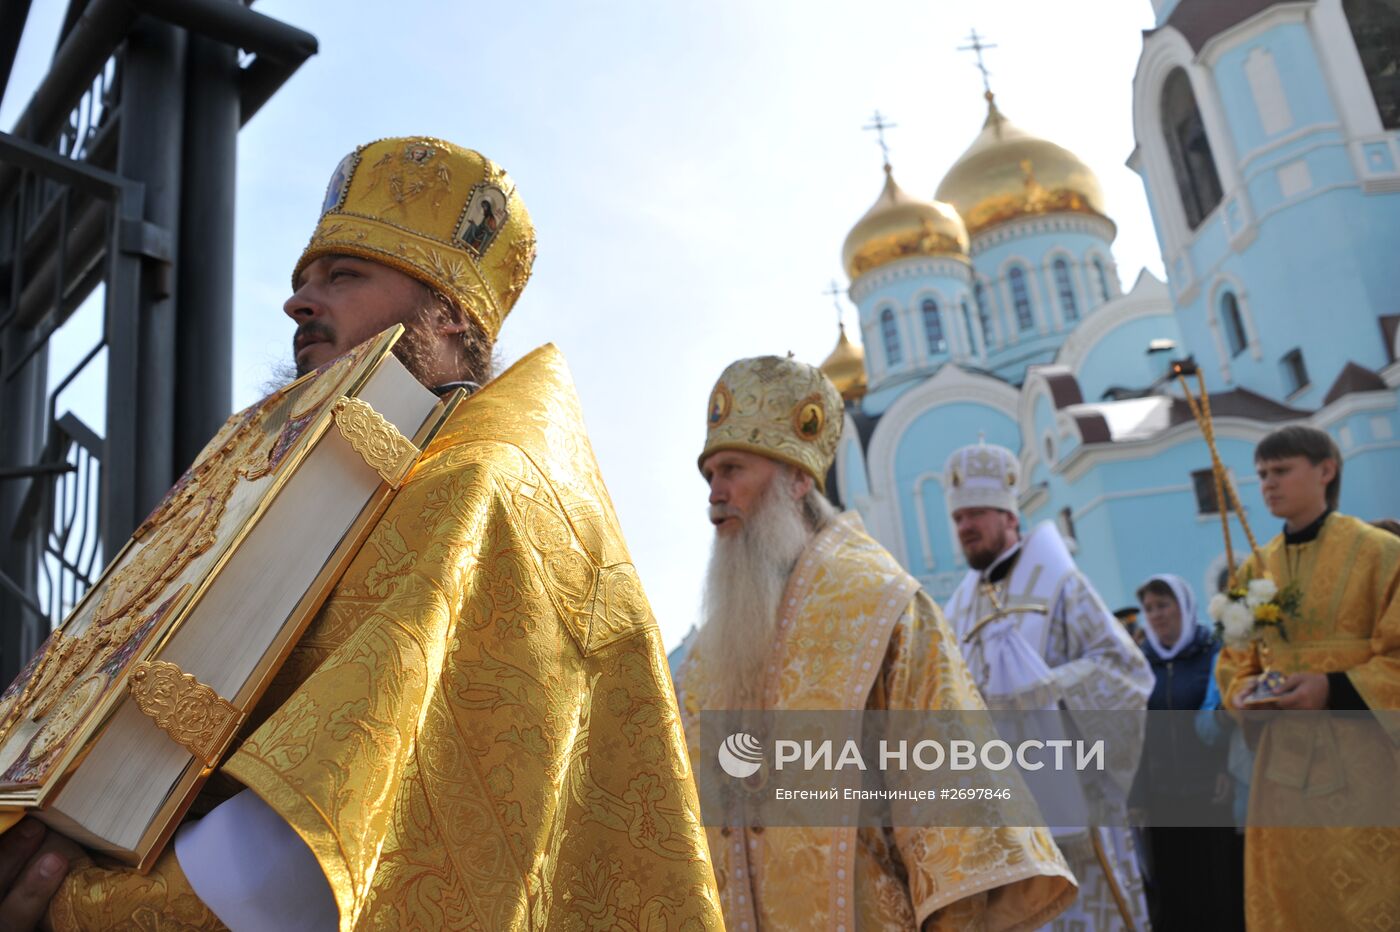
x=112, y=727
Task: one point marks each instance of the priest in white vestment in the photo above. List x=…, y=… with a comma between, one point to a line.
x=1037, y=636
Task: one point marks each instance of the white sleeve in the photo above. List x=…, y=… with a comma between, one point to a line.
x=253, y=871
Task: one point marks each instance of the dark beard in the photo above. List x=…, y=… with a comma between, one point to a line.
x=414, y=349
x=280, y=374
x=982, y=559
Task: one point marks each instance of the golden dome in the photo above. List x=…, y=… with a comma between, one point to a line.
x=899, y=225
x=1007, y=173
x=846, y=368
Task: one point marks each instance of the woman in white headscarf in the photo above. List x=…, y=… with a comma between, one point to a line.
x=1196, y=872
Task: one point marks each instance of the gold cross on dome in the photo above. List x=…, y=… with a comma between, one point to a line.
x=878, y=125
x=833, y=291
x=977, y=46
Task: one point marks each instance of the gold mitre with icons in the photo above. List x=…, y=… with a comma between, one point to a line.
x=779, y=408
x=109, y=731
x=983, y=475
x=447, y=216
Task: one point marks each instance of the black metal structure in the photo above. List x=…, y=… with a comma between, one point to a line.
x=122, y=162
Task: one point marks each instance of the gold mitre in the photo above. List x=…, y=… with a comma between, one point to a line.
x=447, y=216
x=779, y=408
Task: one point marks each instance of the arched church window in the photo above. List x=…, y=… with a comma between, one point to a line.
x=1189, y=147
x=1375, y=27
x=1102, y=274
x=1233, y=323
x=979, y=294
x=933, y=326
x=1066, y=290
x=967, y=327
x=1021, y=297
x=891, y=336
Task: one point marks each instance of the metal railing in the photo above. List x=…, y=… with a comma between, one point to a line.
x=98, y=201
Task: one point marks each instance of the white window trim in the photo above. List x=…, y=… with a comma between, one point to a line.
x=1090, y=272
x=1223, y=282
x=1039, y=325
x=989, y=300
x=1074, y=268
x=878, y=327
x=1163, y=52
x=917, y=314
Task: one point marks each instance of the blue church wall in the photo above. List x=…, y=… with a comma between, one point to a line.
x=900, y=288
x=1120, y=357
x=1327, y=166
x=852, y=470
x=1134, y=518
x=1317, y=278
x=1036, y=254
x=924, y=448
x=1011, y=364
x=1299, y=75
x=1370, y=449
x=879, y=400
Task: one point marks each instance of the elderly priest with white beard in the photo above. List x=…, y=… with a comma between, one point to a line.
x=804, y=610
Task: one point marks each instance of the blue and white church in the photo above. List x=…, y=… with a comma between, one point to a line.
x=1266, y=138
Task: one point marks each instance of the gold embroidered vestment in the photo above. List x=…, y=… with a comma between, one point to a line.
x=1349, y=620
x=478, y=729
x=856, y=632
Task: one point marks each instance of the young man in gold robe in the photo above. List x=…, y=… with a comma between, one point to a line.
x=804, y=610
x=477, y=731
x=1340, y=651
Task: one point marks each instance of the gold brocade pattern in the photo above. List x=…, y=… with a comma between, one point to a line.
x=447, y=216
x=378, y=442
x=478, y=730
x=779, y=408
x=1349, y=620
x=856, y=632
x=194, y=715
x=101, y=899
x=80, y=668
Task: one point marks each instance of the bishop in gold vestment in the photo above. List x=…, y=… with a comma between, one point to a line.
x=1348, y=623
x=851, y=630
x=478, y=729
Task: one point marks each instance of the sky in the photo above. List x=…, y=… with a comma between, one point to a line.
x=691, y=169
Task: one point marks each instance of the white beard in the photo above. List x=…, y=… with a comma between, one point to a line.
x=744, y=587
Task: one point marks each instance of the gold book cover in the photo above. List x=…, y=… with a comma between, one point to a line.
x=113, y=725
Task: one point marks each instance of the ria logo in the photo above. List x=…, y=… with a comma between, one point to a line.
x=740, y=755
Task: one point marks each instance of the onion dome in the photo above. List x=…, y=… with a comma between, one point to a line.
x=1007, y=173
x=846, y=368
x=898, y=226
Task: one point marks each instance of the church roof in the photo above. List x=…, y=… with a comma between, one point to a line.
x=898, y=226
x=846, y=367
x=1390, y=325
x=1354, y=378
x=1241, y=402
x=1202, y=20
x=1007, y=174
x=1129, y=419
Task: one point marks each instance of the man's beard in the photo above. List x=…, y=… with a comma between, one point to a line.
x=986, y=555
x=744, y=587
x=415, y=349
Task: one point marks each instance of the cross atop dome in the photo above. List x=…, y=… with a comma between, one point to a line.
x=977, y=46
x=878, y=125
x=833, y=291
